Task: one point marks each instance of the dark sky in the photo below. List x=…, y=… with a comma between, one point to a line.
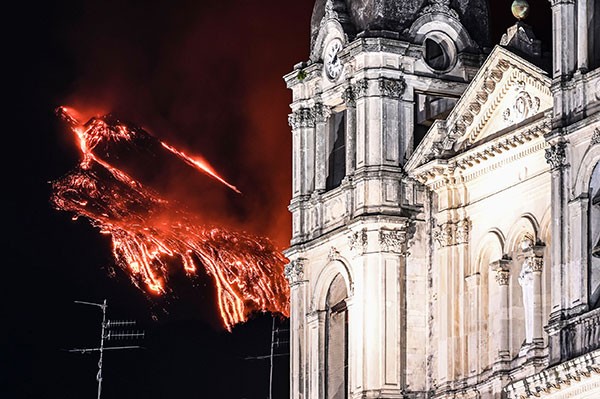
x=204, y=75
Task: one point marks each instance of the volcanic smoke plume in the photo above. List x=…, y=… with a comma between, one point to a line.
x=149, y=233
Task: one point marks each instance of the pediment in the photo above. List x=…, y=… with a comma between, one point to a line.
x=507, y=92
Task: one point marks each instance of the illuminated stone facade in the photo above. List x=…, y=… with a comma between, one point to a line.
x=446, y=215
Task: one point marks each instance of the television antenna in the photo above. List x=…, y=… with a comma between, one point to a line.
x=110, y=330
x=276, y=342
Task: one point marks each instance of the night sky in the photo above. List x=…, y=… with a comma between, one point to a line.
x=205, y=76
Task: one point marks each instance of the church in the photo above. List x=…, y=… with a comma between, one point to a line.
x=445, y=203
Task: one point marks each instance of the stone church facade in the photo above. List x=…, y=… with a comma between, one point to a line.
x=446, y=204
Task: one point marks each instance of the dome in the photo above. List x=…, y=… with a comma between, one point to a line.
x=374, y=16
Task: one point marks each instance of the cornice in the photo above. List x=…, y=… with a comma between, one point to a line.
x=474, y=117
x=480, y=160
x=502, y=72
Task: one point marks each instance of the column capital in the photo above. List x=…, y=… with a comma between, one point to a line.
x=559, y=2
x=393, y=240
x=294, y=271
x=501, y=267
x=349, y=97
x=502, y=277
x=556, y=156
x=302, y=117
x=391, y=87
x=360, y=87
x=321, y=112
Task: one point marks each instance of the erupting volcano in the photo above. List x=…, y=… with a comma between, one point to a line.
x=150, y=234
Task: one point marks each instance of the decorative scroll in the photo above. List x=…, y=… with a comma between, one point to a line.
x=334, y=254
x=439, y=7
x=525, y=105
x=595, y=137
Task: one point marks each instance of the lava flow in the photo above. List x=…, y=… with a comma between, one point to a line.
x=149, y=232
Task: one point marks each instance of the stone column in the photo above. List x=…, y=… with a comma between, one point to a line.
x=316, y=327
x=556, y=158
x=564, y=54
x=321, y=114
x=538, y=322
x=500, y=324
x=302, y=122
x=582, y=36
x=575, y=275
x=299, y=365
x=350, y=100
x=389, y=137
x=530, y=279
x=472, y=322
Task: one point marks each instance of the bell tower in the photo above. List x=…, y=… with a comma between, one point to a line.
x=380, y=73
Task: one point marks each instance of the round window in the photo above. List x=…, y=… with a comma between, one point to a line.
x=439, y=51
x=436, y=56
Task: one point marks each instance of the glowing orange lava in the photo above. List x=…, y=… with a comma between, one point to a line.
x=148, y=232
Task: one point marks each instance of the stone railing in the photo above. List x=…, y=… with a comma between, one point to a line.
x=574, y=378
x=581, y=334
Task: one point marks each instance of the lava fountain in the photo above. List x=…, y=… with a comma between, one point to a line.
x=151, y=234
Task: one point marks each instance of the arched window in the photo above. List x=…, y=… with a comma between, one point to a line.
x=337, y=150
x=594, y=239
x=336, y=340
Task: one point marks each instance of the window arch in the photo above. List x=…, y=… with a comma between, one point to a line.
x=525, y=249
x=482, y=328
x=336, y=158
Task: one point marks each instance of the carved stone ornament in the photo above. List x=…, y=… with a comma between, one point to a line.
x=443, y=235
x=301, y=118
x=440, y=7
x=330, y=12
x=463, y=227
x=334, y=254
x=537, y=264
x=526, y=242
x=349, y=97
x=595, y=137
x=556, y=156
x=294, y=271
x=360, y=88
x=452, y=233
x=392, y=241
x=321, y=112
x=358, y=241
x=391, y=87
x=502, y=276
x=524, y=106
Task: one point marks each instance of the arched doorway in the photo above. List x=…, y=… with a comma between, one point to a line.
x=336, y=340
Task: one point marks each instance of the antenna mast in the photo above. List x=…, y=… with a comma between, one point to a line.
x=107, y=334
